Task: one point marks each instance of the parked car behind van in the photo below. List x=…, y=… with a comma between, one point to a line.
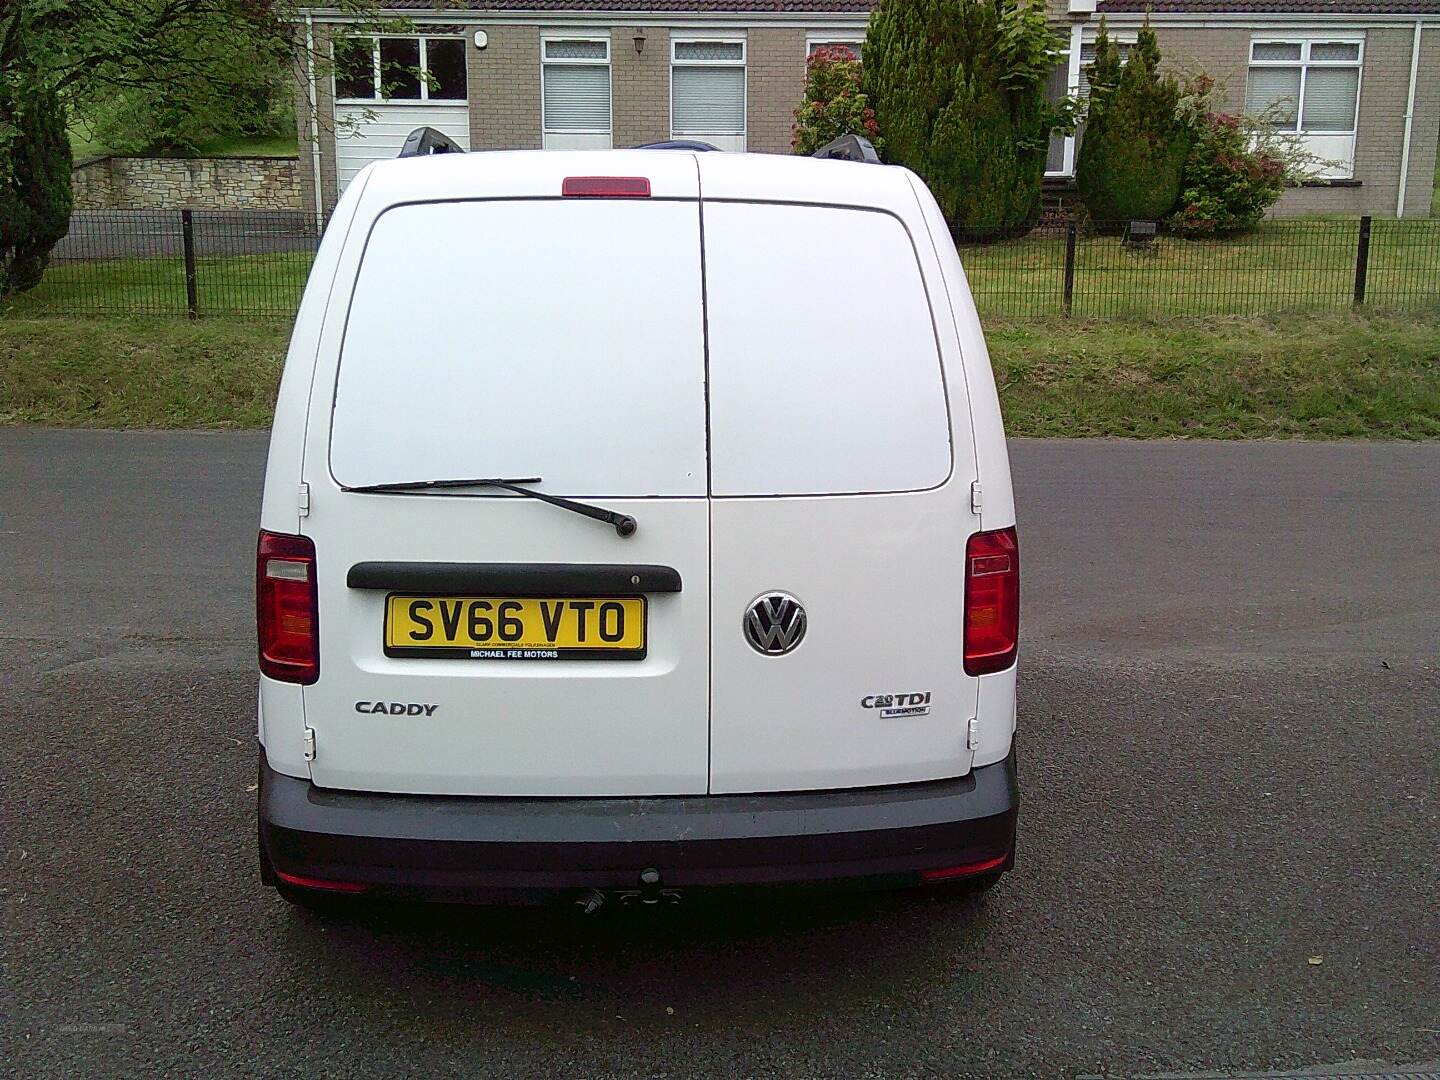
x=635, y=523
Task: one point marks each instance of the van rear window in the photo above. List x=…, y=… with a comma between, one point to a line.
x=824, y=370
x=552, y=338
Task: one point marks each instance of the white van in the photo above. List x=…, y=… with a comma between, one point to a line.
x=636, y=522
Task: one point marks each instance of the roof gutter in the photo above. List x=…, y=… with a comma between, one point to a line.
x=1409, y=122
x=679, y=18
x=1264, y=19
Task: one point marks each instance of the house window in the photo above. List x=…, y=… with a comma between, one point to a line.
x=852, y=42
x=707, y=91
x=1309, y=88
x=575, y=93
x=400, y=69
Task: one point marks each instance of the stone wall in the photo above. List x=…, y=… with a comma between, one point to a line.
x=132, y=183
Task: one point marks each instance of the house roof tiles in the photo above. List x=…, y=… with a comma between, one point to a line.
x=860, y=7
x=1275, y=7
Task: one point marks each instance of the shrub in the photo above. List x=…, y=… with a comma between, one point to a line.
x=958, y=92
x=1228, y=185
x=1135, y=142
x=1236, y=170
x=35, y=196
x=834, y=104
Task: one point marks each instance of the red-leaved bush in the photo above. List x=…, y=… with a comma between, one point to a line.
x=1236, y=169
x=834, y=105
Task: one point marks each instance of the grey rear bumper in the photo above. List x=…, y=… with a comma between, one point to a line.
x=521, y=848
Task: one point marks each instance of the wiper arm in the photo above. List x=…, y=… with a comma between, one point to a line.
x=624, y=524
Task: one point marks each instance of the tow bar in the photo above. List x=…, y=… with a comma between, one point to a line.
x=649, y=894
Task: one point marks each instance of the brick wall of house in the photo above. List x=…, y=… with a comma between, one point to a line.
x=504, y=82
x=775, y=84
x=640, y=85
x=1384, y=84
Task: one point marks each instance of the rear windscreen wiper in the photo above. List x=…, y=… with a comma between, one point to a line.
x=624, y=524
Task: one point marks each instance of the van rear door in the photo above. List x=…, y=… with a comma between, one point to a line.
x=474, y=642
x=841, y=485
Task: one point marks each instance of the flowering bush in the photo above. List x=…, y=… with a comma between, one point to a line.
x=834, y=104
x=1237, y=167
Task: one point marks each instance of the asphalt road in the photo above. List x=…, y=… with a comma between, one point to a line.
x=1230, y=724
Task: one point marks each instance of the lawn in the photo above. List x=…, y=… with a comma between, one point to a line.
x=1289, y=265
x=264, y=285
x=1333, y=376
x=1285, y=265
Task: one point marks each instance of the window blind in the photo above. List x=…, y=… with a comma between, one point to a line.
x=708, y=100
x=1274, y=88
x=577, y=97
x=1330, y=95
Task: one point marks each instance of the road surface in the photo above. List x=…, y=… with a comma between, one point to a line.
x=1230, y=756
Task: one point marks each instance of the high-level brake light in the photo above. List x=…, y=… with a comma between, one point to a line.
x=606, y=187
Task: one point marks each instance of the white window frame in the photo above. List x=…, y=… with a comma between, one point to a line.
x=1338, y=146
x=1305, y=63
x=376, y=99
x=569, y=139
x=816, y=38
x=724, y=142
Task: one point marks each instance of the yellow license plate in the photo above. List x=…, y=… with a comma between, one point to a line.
x=513, y=628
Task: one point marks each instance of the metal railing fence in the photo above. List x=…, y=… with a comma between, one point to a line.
x=254, y=263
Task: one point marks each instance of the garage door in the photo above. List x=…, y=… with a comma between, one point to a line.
x=377, y=131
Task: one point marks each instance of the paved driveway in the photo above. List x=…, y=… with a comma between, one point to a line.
x=126, y=234
x=1230, y=758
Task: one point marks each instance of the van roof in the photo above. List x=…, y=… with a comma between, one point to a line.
x=672, y=174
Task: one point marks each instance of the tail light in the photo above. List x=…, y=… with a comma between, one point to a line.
x=287, y=616
x=992, y=601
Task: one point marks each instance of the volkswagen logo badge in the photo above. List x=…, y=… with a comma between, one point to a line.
x=774, y=624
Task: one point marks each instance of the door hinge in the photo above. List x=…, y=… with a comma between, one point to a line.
x=303, y=500
x=309, y=744
x=972, y=733
x=975, y=497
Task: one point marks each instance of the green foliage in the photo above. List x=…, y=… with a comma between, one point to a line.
x=35, y=197
x=179, y=115
x=958, y=92
x=1135, y=142
x=834, y=104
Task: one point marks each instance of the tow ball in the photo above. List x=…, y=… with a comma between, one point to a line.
x=651, y=893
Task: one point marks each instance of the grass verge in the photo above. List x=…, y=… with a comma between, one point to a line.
x=1318, y=377
x=1276, y=377
x=140, y=373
